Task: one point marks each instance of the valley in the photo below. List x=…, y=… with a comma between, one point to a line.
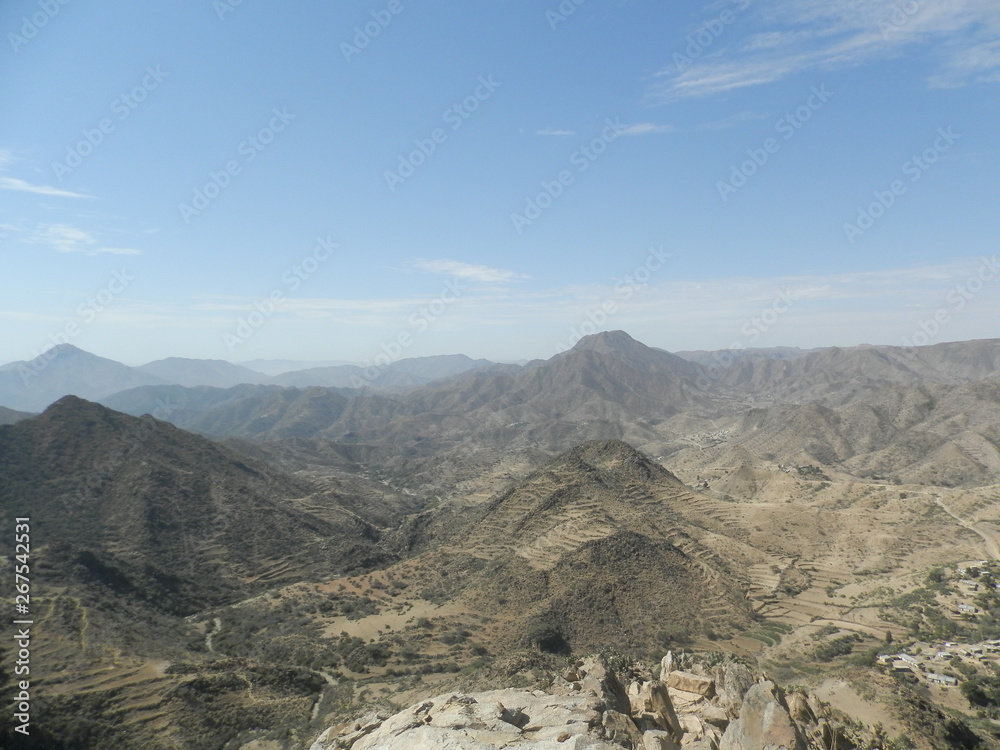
x=249, y=564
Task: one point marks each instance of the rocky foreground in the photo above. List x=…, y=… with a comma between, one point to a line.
x=590, y=707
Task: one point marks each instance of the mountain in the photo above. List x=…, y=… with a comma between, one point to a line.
x=837, y=376
x=195, y=372
x=10, y=416
x=66, y=370
x=145, y=499
x=177, y=403
x=577, y=551
x=723, y=358
x=399, y=375
x=278, y=366
x=605, y=376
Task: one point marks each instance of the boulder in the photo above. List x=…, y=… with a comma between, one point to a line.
x=691, y=683
x=799, y=709
x=764, y=722
x=657, y=739
x=732, y=680
x=714, y=715
x=620, y=728
x=652, y=707
x=599, y=679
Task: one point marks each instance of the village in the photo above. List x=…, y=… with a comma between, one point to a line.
x=945, y=664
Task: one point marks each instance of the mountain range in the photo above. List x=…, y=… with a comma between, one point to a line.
x=243, y=564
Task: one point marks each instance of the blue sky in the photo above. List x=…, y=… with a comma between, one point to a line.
x=241, y=180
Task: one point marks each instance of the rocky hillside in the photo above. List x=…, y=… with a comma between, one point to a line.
x=590, y=706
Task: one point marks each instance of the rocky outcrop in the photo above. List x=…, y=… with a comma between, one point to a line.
x=764, y=722
x=589, y=707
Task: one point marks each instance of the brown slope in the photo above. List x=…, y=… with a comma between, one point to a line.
x=596, y=538
x=931, y=433
x=142, y=494
x=837, y=375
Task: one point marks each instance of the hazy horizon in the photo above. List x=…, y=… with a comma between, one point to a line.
x=241, y=181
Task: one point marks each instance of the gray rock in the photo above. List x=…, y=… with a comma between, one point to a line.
x=599, y=679
x=691, y=683
x=483, y=721
x=764, y=723
x=657, y=739
x=732, y=681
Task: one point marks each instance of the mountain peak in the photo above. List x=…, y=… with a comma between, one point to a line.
x=620, y=459
x=66, y=350
x=608, y=342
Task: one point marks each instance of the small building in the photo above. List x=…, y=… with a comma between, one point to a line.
x=945, y=655
x=967, y=609
x=901, y=667
x=941, y=679
x=912, y=661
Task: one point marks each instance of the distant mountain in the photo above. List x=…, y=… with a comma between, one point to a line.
x=279, y=366
x=9, y=416
x=398, y=375
x=194, y=372
x=606, y=376
x=722, y=358
x=66, y=370
x=176, y=403
x=837, y=376
x=262, y=412
x=932, y=434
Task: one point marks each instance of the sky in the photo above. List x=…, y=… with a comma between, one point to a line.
x=367, y=181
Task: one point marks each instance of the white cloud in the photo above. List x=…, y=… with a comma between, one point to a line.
x=552, y=131
x=466, y=270
x=645, y=128
x=69, y=239
x=12, y=183
x=791, y=36
x=117, y=251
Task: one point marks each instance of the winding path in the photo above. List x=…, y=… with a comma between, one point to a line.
x=217, y=623
x=990, y=537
